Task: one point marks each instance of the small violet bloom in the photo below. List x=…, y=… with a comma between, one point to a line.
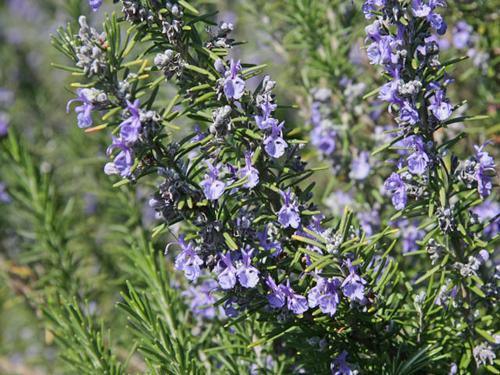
x=423, y=10
x=410, y=234
x=418, y=158
x=373, y=30
x=212, y=187
x=227, y=278
x=360, y=167
x=188, y=261
x=288, y=215
x=277, y=297
x=437, y=22
x=396, y=186
x=340, y=366
x=371, y=5
x=325, y=295
x=408, y=114
x=265, y=120
x=248, y=275
x=130, y=128
x=323, y=137
x=485, y=171
x=234, y=85
x=462, y=35
x=440, y=107
x=295, y=302
x=369, y=221
x=230, y=308
x=389, y=92
x=201, y=299
x=489, y=211
x=316, y=115
x=268, y=244
x=4, y=196
x=484, y=354
x=384, y=51
x=420, y=8
x=84, y=111
x=123, y=161
x=274, y=144
x=95, y=4
x=284, y=294
x=249, y=171
x=353, y=285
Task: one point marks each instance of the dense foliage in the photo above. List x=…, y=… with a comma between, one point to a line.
x=178, y=211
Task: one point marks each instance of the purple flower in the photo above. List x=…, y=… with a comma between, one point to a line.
x=231, y=308
x=323, y=138
x=202, y=299
x=4, y=196
x=410, y=234
x=430, y=44
x=373, y=30
x=371, y=5
x=374, y=53
x=284, y=294
x=453, y=369
x=277, y=297
x=249, y=171
x=482, y=257
x=316, y=114
x=248, y=275
x=95, y=4
x=422, y=10
x=389, y=92
x=369, y=221
x=188, y=261
x=123, y=161
x=360, y=167
x=294, y=302
x=130, y=128
x=440, y=106
x=437, y=22
x=267, y=243
x=396, y=186
x=353, y=285
x=417, y=162
x=445, y=294
x=486, y=211
x=418, y=159
x=84, y=111
x=265, y=121
x=325, y=295
x=227, y=278
x=388, y=51
x=234, y=85
x=340, y=366
x=408, y=114
x=288, y=215
x=274, y=144
x=462, y=35
x=212, y=187
x=485, y=170
x=484, y=354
